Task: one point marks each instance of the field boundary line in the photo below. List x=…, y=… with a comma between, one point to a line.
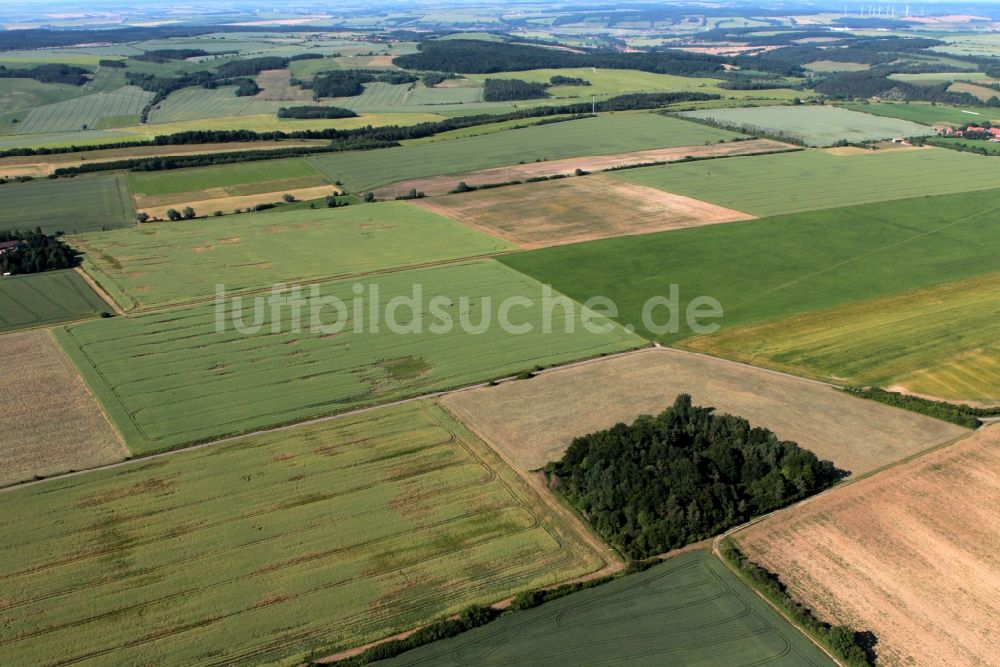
x=104, y=296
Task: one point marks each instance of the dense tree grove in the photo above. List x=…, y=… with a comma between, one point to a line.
x=506, y=90
x=251, y=66
x=52, y=73
x=115, y=64
x=312, y=112
x=350, y=82
x=40, y=252
x=684, y=475
x=861, y=85
x=247, y=88
x=961, y=414
x=482, y=57
x=560, y=80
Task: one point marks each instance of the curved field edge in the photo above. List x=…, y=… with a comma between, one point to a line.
x=254, y=525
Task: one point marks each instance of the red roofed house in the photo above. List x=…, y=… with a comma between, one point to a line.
x=7, y=246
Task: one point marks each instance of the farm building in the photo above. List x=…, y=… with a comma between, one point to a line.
x=8, y=246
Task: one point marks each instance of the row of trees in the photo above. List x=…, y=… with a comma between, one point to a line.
x=314, y=112
x=961, y=414
x=349, y=83
x=39, y=252
x=51, y=73
x=682, y=476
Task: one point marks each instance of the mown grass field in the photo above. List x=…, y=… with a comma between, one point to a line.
x=46, y=298
x=239, y=178
x=50, y=422
x=813, y=180
x=935, y=337
x=86, y=112
x=814, y=125
x=196, y=102
x=172, y=377
x=165, y=263
x=773, y=268
x=929, y=115
x=71, y=205
x=273, y=548
x=609, y=133
x=17, y=94
x=690, y=610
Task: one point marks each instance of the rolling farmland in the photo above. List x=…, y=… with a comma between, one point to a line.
x=816, y=126
x=46, y=298
x=172, y=377
x=274, y=547
x=571, y=210
x=689, y=610
x=926, y=336
x=196, y=102
x=532, y=423
x=908, y=554
x=813, y=180
x=773, y=267
x=240, y=178
x=611, y=133
x=73, y=434
x=178, y=262
x=87, y=112
x=77, y=205
x=929, y=115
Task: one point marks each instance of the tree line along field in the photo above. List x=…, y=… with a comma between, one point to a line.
x=83, y=204
x=294, y=543
x=814, y=125
x=927, y=114
x=605, y=134
x=943, y=341
x=73, y=434
x=813, y=180
x=772, y=268
x=176, y=377
x=95, y=111
x=690, y=610
x=532, y=423
x=169, y=263
x=909, y=554
x=46, y=298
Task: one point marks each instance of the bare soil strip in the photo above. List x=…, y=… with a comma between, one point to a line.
x=533, y=421
x=228, y=204
x=571, y=210
x=49, y=421
x=909, y=554
x=439, y=185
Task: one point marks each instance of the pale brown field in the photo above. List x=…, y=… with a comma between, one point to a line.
x=43, y=165
x=547, y=213
x=49, y=421
x=909, y=554
x=439, y=185
x=229, y=204
x=533, y=421
x=275, y=83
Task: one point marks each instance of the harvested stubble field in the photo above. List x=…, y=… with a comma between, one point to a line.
x=168, y=263
x=814, y=125
x=909, y=554
x=271, y=548
x=774, y=268
x=533, y=422
x=814, y=180
x=72, y=434
x=537, y=215
x=607, y=134
x=172, y=377
x=438, y=185
x=75, y=205
x=208, y=202
x=276, y=87
x=689, y=610
x=46, y=298
x=935, y=339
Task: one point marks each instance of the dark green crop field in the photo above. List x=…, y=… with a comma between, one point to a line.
x=690, y=610
x=70, y=205
x=765, y=269
x=46, y=298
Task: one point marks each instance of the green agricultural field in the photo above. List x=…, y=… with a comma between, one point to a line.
x=834, y=66
x=274, y=548
x=168, y=263
x=937, y=78
x=690, y=610
x=608, y=133
x=70, y=205
x=172, y=378
x=881, y=341
x=18, y=94
x=813, y=125
x=812, y=180
x=958, y=143
x=85, y=112
x=928, y=114
x=46, y=298
x=764, y=270
x=196, y=102
x=196, y=179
